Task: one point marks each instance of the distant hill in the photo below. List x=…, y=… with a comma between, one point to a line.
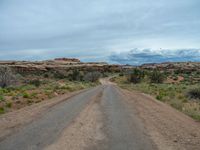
x=184, y=66
x=66, y=64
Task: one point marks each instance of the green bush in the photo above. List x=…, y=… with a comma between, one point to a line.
x=92, y=76
x=135, y=76
x=2, y=110
x=76, y=75
x=35, y=82
x=156, y=77
x=46, y=75
x=2, y=98
x=26, y=95
x=121, y=74
x=59, y=75
x=194, y=114
x=159, y=97
x=194, y=93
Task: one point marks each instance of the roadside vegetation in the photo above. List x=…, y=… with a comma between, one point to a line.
x=179, y=89
x=20, y=90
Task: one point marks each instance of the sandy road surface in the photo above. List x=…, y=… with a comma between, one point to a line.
x=106, y=118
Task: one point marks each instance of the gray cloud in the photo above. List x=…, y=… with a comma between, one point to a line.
x=141, y=56
x=92, y=27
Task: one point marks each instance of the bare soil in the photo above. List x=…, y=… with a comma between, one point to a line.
x=169, y=128
x=178, y=80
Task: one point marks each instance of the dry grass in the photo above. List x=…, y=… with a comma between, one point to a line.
x=17, y=97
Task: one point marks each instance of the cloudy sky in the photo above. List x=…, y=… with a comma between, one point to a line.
x=118, y=31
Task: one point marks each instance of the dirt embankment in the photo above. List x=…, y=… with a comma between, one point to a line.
x=170, y=129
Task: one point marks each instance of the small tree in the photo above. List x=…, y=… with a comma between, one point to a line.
x=75, y=75
x=92, y=76
x=135, y=76
x=156, y=77
x=6, y=76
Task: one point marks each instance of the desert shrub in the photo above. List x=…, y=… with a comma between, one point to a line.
x=135, y=76
x=92, y=76
x=2, y=110
x=8, y=104
x=35, y=82
x=7, y=78
x=59, y=75
x=18, y=76
x=194, y=114
x=176, y=104
x=25, y=87
x=194, y=93
x=180, y=97
x=75, y=76
x=2, y=98
x=105, y=75
x=159, y=97
x=68, y=87
x=33, y=95
x=26, y=95
x=178, y=71
x=46, y=75
x=121, y=74
x=175, y=78
x=156, y=77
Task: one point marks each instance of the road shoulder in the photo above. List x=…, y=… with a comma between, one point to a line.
x=11, y=122
x=168, y=128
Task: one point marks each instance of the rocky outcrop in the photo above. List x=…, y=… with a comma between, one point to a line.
x=58, y=64
x=67, y=59
x=173, y=66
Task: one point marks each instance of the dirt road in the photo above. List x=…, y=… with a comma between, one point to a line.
x=104, y=118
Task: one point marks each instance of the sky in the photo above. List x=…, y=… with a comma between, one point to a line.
x=116, y=31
